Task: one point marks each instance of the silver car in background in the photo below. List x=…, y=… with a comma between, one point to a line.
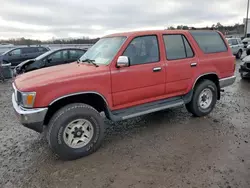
x=236, y=46
x=246, y=42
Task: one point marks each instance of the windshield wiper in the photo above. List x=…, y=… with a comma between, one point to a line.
x=90, y=61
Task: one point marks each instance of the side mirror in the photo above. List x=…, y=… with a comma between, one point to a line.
x=122, y=61
x=43, y=63
x=49, y=60
x=10, y=54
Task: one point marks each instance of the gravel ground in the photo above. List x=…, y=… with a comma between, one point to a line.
x=164, y=149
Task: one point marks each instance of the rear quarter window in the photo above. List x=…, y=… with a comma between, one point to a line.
x=42, y=49
x=29, y=50
x=209, y=42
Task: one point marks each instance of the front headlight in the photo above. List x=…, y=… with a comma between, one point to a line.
x=28, y=99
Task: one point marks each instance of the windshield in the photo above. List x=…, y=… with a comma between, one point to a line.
x=6, y=52
x=44, y=55
x=104, y=50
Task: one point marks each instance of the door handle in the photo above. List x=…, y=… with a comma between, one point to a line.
x=157, y=69
x=193, y=64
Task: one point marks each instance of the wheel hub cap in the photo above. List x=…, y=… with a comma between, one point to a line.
x=78, y=133
x=205, y=98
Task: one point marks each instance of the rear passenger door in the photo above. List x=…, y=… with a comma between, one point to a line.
x=181, y=63
x=28, y=53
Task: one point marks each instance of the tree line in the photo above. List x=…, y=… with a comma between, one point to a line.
x=233, y=29
x=24, y=41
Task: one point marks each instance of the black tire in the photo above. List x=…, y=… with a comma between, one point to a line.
x=193, y=106
x=59, y=122
x=239, y=54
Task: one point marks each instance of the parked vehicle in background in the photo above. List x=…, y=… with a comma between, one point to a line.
x=18, y=55
x=245, y=66
x=123, y=75
x=248, y=47
x=246, y=42
x=236, y=46
x=50, y=58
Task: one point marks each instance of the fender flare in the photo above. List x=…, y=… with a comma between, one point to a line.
x=79, y=93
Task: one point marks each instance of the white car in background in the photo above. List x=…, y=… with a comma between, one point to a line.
x=236, y=46
x=248, y=47
x=246, y=42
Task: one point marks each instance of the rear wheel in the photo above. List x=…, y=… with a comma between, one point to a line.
x=204, y=98
x=75, y=131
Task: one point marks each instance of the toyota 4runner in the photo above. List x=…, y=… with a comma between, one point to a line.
x=123, y=75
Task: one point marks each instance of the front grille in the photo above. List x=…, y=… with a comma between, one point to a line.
x=245, y=43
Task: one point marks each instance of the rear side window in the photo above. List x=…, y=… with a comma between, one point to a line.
x=16, y=52
x=209, y=42
x=75, y=54
x=29, y=50
x=229, y=41
x=234, y=42
x=177, y=47
x=59, y=55
x=42, y=49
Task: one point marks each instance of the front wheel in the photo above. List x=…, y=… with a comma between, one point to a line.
x=75, y=131
x=204, y=98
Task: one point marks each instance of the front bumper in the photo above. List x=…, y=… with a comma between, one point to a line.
x=224, y=82
x=30, y=118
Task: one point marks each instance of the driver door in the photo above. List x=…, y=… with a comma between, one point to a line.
x=144, y=79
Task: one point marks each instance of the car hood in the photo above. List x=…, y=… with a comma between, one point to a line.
x=61, y=73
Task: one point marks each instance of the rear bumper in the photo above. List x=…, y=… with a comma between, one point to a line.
x=224, y=82
x=30, y=118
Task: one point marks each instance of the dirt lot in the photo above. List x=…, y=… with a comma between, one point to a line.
x=164, y=149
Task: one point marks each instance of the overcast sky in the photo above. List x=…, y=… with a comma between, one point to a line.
x=44, y=19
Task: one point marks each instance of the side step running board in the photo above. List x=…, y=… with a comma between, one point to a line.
x=153, y=110
x=119, y=115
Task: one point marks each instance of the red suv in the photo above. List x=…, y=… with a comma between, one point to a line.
x=123, y=75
